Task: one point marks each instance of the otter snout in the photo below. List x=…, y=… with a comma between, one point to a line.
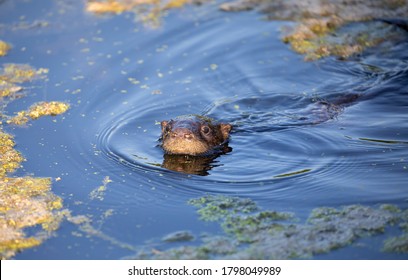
x=182, y=133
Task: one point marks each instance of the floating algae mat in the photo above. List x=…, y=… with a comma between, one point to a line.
x=253, y=233
x=323, y=26
x=25, y=202
x=4, y=48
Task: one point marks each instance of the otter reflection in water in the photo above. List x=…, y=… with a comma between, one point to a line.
x=192, y=143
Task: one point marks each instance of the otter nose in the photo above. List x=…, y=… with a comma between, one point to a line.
x=182, y=133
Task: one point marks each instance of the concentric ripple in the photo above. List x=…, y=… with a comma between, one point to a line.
x=278, y=142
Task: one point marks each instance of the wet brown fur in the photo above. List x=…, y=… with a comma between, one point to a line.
x=193, y=135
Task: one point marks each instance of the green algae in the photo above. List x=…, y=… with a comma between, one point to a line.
x=10, y=159
x=398, y=244
x=99, y=192
x=245, y=228
x=4, y=48
x=38, y=110
x=330, y=27
x=214, y=208
x=251, y=233
x=150, y=12
x=12, y=80
x=20, y=73
x=25, y=202
x=324, y=27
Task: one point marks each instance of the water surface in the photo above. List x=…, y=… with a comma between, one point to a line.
x=122, y=78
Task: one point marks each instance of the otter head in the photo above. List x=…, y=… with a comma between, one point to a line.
x=193, y=135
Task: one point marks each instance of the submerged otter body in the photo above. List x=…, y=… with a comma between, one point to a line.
x=199, y=135
x=193, y=135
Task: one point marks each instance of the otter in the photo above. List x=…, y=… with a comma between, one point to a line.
x=194, y=135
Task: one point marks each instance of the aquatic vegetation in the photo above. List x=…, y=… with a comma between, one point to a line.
x=20, y=73
x=148, y=11
x=330, y=27
x=254, y=234
x=13, y=75
x=214, y=208
x=10, y=159
x=117, y=7
x=7, y=89
x=100, y=7
x=4, y=48
x=341, y=43
x=25, y=202
x=99, y=192
x=38, y=110
x=325, y=27
x=399, y=244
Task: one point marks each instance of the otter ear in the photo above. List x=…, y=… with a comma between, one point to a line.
x=163, y=125
x=225, y=130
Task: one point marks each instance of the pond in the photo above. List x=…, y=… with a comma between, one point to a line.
x=122, y=77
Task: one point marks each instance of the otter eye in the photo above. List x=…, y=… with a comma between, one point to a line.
x=205, y=129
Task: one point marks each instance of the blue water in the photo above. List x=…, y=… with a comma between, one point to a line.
x=122, y=78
